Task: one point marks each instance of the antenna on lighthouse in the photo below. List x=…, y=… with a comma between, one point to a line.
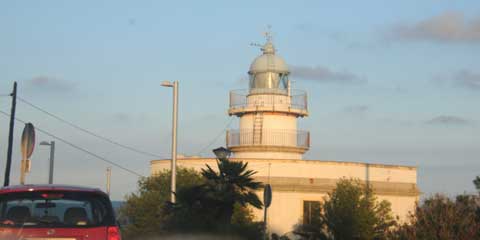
x=268, y=36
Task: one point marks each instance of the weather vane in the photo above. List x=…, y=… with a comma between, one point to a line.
x=268, y=35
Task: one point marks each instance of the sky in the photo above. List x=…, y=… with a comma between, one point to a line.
x=394, y=82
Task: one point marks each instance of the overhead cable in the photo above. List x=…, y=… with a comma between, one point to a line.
x=216, y=137
x=90, y=132
x=79, y=148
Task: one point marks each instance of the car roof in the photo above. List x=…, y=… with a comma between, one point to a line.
x=48, y=187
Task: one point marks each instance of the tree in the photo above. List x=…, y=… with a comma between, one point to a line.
x=232, y=184
x=350, y=211
x=207, y=202
x=476, y=182
x=442, y=218
x=145, y=209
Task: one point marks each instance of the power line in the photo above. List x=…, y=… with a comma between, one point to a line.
x=78, y=148
x=89, y=132
x=216, y=137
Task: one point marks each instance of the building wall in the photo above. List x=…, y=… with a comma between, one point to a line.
x=270, y=121
x=277, y=129
x=286, y=209
x=295, y=181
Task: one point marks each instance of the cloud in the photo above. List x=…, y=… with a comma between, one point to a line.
x=449, y=120
x=357, y=109
x=50, y=84
x=447, y=27
x=467, y=79
x=122, y=117
x=461, y=78
x=324, y=74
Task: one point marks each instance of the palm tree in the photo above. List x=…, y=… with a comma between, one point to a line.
x=232, y=184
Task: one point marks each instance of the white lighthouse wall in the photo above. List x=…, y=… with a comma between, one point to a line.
x=277, y=130
x=276, y=121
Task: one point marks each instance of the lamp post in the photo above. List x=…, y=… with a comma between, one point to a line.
x=222, y=153
x=109, y=177
x=52, y=156
x=173, y=167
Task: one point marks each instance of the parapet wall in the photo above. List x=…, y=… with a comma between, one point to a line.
x=308, y=169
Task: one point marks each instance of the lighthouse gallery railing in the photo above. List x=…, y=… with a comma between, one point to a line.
x=240, y=98
x=268, y=137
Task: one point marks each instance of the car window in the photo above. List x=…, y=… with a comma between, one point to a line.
x=55, y=209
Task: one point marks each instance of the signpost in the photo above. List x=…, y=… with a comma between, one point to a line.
x=267, y=200
x=27, y=146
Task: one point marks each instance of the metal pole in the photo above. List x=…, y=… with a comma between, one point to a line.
x=6, y=181
x=52, y=157
x=265, y=223
x=289, y=91
x=23, y=168
x=109, y=176
x=174, y=142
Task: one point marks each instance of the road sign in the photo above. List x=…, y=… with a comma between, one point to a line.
x=28, y=141
x=27, y=145
x=267, y=195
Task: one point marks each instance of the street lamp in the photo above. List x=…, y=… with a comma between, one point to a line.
x=52, y=156
x=222, y=153
x=173, y=167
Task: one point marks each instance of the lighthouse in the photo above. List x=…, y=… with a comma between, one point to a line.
x=269, y=140
x=268, y=112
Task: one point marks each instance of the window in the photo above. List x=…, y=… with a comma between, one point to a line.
x=55, y=209
x=269, y=80
x=311, y=211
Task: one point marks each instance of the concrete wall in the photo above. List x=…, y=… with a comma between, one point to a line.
x=277, y=129
x=295, y=181
x=286, y=209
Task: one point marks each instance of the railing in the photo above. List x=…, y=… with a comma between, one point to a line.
x=245, y=98
x=268, y=137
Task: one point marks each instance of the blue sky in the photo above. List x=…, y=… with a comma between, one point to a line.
x=393, y=83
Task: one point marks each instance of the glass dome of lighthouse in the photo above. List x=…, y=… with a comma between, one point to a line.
x=268, y=72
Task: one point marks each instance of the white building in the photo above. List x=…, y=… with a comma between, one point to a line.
x=268, y=139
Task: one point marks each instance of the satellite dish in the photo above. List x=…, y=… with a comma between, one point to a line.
x=28, y=141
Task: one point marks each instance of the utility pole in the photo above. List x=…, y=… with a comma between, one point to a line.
x=6, y=181
x=109, y=176
x=173, y=186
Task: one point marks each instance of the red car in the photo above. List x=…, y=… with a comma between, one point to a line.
x=56, y=212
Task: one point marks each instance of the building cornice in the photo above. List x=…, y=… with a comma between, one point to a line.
x=324, y=185
x=305, y=161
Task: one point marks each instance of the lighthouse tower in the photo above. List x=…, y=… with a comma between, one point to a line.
x=268, y=112
x=268, y=138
